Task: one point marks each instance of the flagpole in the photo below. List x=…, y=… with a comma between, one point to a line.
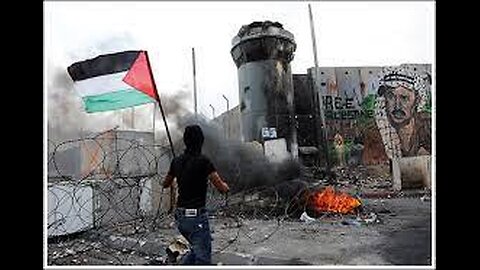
x=160, y=105
x=172, y=190
x=194, y=83
x=316, y=84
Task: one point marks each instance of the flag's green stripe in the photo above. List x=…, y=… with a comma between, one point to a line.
x=115, y=100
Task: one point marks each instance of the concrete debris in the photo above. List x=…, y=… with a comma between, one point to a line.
x=372, y=217
x=156, y=261
x=359, y=220
x=425, y=198
x=307, y=219
x=374, y=177
x=177, y=249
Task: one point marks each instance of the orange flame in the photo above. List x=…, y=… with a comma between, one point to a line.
x=330, y=201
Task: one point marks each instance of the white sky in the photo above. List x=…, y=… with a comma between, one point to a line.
x=348, y=34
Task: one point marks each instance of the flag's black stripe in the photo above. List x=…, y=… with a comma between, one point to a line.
x=102, y=65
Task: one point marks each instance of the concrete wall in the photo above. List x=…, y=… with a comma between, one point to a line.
x=354, y=84
x=349, y=86
x=352, y=109
x=412, y=172
x=305, y=102
x=230, y=123
x=262, y=52
x=65, y=162
x=93, y=195
x=276, y=150
x=78, y=206
x=116, y=201
x=409, y=133
x=70, y=208
x=355, y=110
x=369, y=80
x=125, y=153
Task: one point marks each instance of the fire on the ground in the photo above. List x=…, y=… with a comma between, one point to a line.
x=328, y=200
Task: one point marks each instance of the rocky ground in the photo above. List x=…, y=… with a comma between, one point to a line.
x=392, y=228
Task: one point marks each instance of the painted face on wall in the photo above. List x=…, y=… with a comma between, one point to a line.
x=400, y=105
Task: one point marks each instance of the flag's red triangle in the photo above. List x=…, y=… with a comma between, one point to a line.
x=140, y=78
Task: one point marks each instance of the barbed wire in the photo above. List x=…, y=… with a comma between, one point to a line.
x=106, y=204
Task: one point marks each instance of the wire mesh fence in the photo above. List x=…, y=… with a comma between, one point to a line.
x=106, y=204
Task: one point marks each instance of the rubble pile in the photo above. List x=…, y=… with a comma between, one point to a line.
x=373, y=177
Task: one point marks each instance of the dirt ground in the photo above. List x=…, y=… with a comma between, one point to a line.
x=393, y=228
x=399, y=235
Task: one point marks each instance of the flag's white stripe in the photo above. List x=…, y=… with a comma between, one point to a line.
x=101, y=84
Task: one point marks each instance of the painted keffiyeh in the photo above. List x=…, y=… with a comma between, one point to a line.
x=393, y=77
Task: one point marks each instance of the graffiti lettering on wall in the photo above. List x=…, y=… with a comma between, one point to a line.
x=338, y=103
x=339, y=108
x=391, y=118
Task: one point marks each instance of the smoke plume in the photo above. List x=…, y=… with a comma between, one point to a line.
x=242, y=165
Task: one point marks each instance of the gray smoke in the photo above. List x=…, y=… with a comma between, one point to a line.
x=242, y=165
x=65, y=119
x=175, y=109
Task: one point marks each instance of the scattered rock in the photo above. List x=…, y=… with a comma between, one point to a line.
x=372, y=217
x=425, y=198
x=307, y=219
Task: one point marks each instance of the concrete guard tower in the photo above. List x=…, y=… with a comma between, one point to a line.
x=262, y=52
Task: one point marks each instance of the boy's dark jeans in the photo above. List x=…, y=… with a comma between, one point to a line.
x=197, y=231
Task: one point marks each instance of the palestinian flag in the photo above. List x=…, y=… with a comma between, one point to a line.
x=114, y=81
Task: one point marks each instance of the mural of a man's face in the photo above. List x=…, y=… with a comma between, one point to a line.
x=400, y=105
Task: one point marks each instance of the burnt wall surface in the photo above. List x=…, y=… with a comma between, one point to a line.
x=375, y=113
x=261, y=41
x=266, y=92
x=304, y=100
x=262, y=52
